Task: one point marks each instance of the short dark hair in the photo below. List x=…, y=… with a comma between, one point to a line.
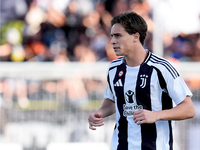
x=132, y=23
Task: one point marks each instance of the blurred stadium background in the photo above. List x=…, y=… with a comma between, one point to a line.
x=54, y=56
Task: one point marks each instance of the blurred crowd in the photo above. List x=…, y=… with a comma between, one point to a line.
x=74, y=91
x=77, y=30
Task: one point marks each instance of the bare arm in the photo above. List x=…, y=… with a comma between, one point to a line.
x=107, y=108
x=182, y=111
x=95, y=119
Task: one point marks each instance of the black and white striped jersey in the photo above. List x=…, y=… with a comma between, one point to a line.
x=154, y=85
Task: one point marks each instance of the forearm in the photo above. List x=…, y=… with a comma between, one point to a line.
x=182, y=111
x=107, y=108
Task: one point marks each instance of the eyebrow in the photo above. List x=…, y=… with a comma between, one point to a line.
x=115, y=34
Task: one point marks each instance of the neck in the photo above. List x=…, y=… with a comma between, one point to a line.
x=136, y=58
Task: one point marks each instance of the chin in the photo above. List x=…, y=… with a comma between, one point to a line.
x=117, y=54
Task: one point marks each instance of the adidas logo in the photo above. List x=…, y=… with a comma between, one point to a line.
x=118, y=83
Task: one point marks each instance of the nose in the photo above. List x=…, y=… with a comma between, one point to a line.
x=113, y=41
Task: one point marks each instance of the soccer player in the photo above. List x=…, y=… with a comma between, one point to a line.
x=144, y=90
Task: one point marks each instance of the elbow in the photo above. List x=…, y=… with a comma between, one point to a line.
x=190, y=109
x=191, y=113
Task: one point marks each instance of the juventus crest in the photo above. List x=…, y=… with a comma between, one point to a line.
x=144, y=80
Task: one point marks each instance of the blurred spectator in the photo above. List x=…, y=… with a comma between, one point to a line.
x=94, y=89
x=183, y=47
x=61, y=57
x=75, y=91
x=15, y=90
x=119, y=6
x=105, y=17
x=12, y=10
x=12, y=23
x=84, y=54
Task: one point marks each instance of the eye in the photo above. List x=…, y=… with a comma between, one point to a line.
x=117, y=35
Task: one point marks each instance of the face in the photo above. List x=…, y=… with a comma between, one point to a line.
x=122, y=41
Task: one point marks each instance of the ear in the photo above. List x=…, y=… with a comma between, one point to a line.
x=136, y=37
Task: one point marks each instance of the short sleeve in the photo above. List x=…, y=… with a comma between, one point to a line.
x=177, y=88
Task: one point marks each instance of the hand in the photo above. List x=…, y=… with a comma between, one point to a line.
x=145, y=116
x=95, y=120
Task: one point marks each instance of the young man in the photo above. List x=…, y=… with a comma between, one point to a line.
x=144, y=90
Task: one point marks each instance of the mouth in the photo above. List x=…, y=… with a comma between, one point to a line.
x=116, y=48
